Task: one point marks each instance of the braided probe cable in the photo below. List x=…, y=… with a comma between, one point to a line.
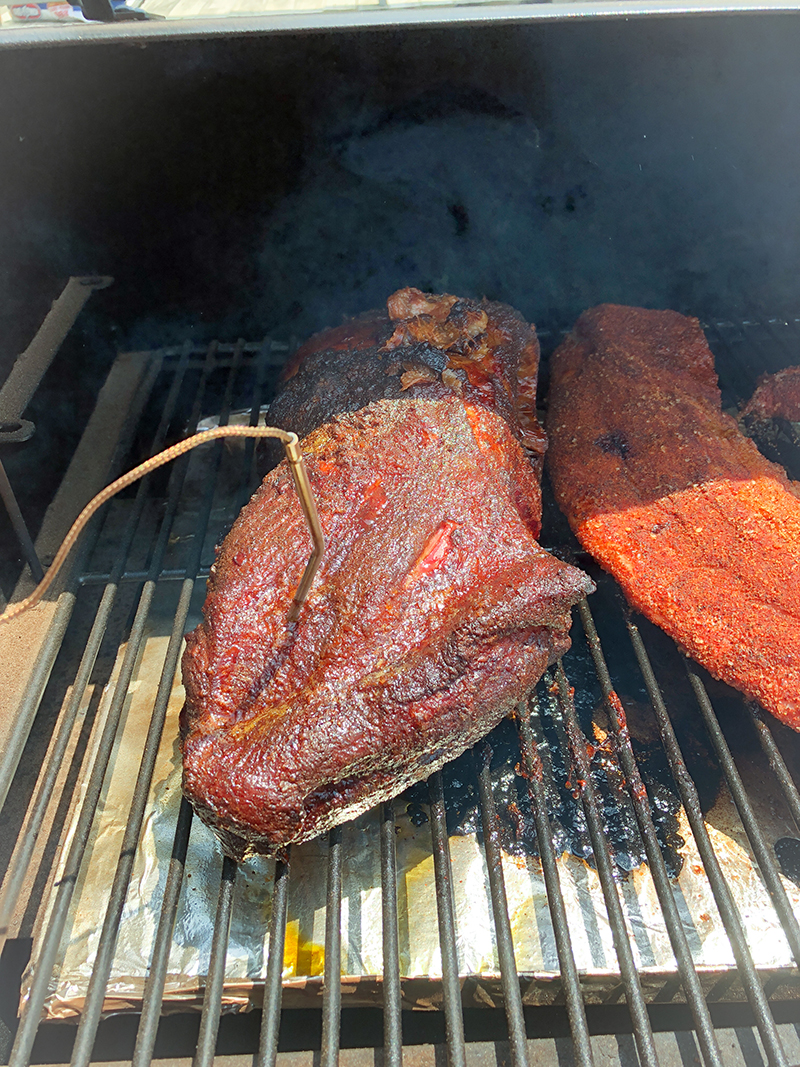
x=299, y=474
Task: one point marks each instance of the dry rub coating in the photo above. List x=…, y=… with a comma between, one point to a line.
x=776, y=396
x=701, y=531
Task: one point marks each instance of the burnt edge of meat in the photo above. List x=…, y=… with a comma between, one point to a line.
x=423, y=345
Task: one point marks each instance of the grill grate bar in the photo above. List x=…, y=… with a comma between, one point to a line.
x=51, y=941
x=108, y=939
x=171, y=574
x=34, y=691
x=16, y=876
x=332, y=979
x=273, y=986
x=154, y=986
x=212, y=1000
x=642, y=1030
x=445, y=905
x=638, y=793
x=392, y=1014
x=249, y=473
x=502, y=926
x=719, y=886
x=156, y=978
x=31, y=1014
x=272, y=352
x=56, y=631
x=93, y=1007
x=776, y=762
x=534, y=772
x=761, y=850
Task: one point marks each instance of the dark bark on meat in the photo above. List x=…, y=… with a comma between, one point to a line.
x=420, y=345
x=772, y=418
x=433, y=613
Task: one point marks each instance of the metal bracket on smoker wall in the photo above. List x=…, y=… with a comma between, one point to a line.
x=31, y=365
x=21, y=384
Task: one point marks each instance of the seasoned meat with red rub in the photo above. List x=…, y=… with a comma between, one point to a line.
x=434, y=610
x=776, y=396
x=700, y=530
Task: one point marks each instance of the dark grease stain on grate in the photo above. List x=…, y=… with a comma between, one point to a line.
x=510, y=788
x=570, y=833
x=787, y=852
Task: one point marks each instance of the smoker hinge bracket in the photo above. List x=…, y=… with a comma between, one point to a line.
x=22, y=383
x=31, y=365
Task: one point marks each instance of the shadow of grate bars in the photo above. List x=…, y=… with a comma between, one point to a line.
x=250, y=367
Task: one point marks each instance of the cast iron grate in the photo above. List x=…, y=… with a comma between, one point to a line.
x=222, y=377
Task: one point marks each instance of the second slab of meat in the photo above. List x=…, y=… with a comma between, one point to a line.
x=776, y=396
x=434, y=611
x=659, y=484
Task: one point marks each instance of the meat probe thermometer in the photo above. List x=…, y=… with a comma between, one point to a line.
x=299, y=473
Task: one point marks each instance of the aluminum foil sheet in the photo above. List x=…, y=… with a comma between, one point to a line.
x=361, y=899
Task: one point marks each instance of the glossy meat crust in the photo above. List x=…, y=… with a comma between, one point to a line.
x=701, y=531
x=434, y=612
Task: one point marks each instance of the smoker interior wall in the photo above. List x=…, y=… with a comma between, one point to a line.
x=277, y=183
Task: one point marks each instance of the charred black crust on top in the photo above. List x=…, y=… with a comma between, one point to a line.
x=615, y=442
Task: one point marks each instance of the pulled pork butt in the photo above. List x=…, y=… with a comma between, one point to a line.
x=434, y=610
x=700, y=530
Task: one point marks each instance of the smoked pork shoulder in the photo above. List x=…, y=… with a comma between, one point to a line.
x=434, y=610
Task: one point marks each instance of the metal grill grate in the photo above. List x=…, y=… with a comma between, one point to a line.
x=186, y=382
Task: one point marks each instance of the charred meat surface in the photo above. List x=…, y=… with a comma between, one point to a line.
x=700, y=530
x=419, y=345
x=433, y=613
